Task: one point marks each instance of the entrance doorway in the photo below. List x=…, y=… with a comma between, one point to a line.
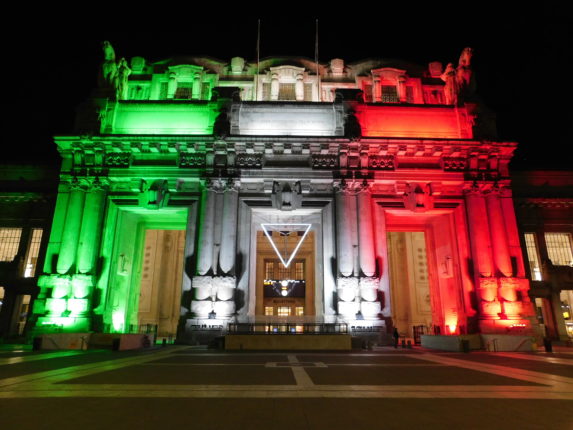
x=161, y=278
x=285, y=291
x=409, y=281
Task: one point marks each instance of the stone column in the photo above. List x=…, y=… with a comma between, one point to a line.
x=402, y=89
x=299, y=88
x=189, y=250
x=70, y=235
x=229, y=231
x=196, y=90
x=171, y=86
x=344, y=238
x=365, y=234
x=205, y=259
x=218, y=214
x=274, y=86
x=498, y=234
x=91, y=227
x=479, y=233
x=376, y=90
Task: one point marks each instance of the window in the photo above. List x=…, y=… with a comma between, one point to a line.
x=266, y=91
x=269, y=270
x=299, y=311
x=299, y=270
x=269, y=310
x=559, y=248
x=307, y=92
x=33, y=252
x=409, y=94
x=287, y=92
x=533, y=256
x=389, y=94
x=9, y=243
x=184, y=90
x=367, y=93
x=283, y=311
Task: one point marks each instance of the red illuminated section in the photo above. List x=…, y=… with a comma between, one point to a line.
x=413, y=121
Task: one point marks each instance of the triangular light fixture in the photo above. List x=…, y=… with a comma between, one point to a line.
x=270, y=227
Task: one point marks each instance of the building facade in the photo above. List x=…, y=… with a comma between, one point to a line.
x=27, y=198
x=544, y=207
x=197, y=192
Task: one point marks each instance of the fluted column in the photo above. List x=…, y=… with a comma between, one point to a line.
x=70, y=235
x=498, y=232
x=205, y=259
x=365, y=234
x=229, y=231
x=91, y=227
x=343, y=235
x=479, y=231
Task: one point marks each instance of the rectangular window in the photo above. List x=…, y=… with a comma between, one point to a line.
x=163, y=91
x=33, y=252
x=9, y=243
x=533, y=256
x=559, y=248
x=284, y=272
x=266, y=91
x=283, y=311
x=389, y=94
x=307, y=92
x=299, y=270
x=184, y=91
x=409, y=94
x=287, y=92
x=299, y=310
x=269, y=310
x=269, y=270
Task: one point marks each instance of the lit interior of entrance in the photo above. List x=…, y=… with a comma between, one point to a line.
x=285, y=291
x=161, y=278
x=409, y=281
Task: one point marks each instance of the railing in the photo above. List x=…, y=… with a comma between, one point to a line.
x=279, y=328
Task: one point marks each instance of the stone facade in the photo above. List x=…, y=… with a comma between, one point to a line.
x=215, y=149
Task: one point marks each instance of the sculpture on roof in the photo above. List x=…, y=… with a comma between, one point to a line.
x=451, y=88
x=464, y=71
x=108, y=67
x=123, y=72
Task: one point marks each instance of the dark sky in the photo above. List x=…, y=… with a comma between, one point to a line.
x=521, y=61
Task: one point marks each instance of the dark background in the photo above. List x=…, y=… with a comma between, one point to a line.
x=521, y=62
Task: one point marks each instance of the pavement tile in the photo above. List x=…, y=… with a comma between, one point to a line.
x=439, y=375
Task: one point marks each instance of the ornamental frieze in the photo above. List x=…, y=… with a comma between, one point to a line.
x=117, y=159
x=381, y=162
x=191, y=160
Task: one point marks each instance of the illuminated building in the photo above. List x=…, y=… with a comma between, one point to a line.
x=175, y=166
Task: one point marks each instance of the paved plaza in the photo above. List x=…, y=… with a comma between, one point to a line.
x=196, y=388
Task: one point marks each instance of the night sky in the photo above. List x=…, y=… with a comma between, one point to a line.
x=521, y=62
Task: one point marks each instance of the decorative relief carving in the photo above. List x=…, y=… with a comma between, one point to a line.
x=191, y=160
x=249, y=161
x=117, y=159
x=381, y=162
x=324, y=161
x=451, y=164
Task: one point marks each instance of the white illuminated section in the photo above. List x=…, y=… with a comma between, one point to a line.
x=307, y=229
x=288, y=119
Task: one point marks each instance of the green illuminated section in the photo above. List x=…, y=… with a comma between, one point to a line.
x=123, y=287
x=164, y=118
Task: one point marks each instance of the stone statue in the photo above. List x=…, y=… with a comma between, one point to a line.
x=122, y=76
x=109, y=67
x=464, y=71
x=451, y=89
